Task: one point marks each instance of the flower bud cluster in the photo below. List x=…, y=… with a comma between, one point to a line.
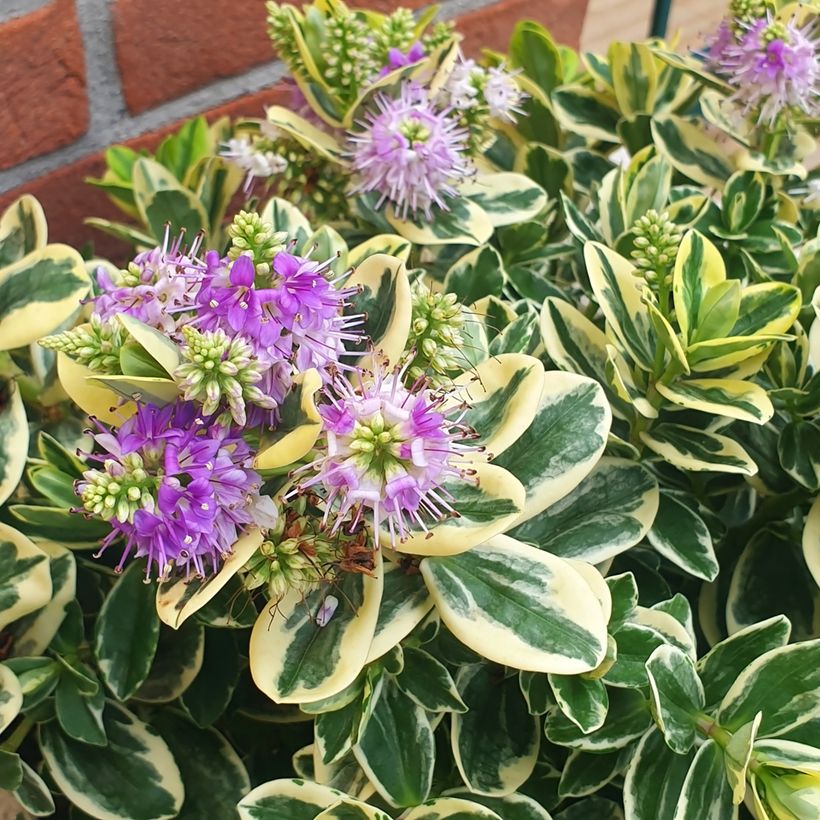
x=96, y=345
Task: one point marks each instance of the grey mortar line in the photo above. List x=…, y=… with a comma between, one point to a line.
x=17, y=8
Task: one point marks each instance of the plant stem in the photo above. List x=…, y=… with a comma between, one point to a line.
x=12, y=743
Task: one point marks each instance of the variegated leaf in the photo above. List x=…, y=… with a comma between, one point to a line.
x=811, y=540
x=581, y=699
x=503, y=394
x=164, y=203
x=156, y=344
x=91, y=396
x=767, y=309
x=305, y=133
x=84, y=773
x=405, y=602
x=783, y=683
x=562, y=443
x=299, y=425
x=696, y=450
x=11, y=697
x=178, y=599
x=616, y=289
x=451, y=808
x=293, y=799
x=384, y=298
x=680, y=535
x=284, y=217
x=485, y=508
x=140, y=388
x=396, y=749
x=732, y=398
x=39, y=292
x=610, y=511
x=584, y=773
x=388, y=244
x=14, y=440
x=25, y=580
x=691, y=151
x=677, y=696
x=506, y=198
x=634, y=77
x=294, y=659
x=495, y=742
x=587, y=112
x=23, y=229
x=519, y=606
x=705, y=794
x=627, y=719
x=477, y=274
x=572, y=341
x=654, y=779
x=34, y=632
x=463, y=223
x=738, y=755
x=698, y=269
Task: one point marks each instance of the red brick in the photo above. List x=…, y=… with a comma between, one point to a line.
x=165, y=49
x=492, y=26
x=68, y=199
x=43, y=103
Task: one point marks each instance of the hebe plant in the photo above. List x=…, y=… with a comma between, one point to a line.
x=487, y=488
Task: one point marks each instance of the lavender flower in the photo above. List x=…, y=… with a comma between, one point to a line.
x=310, y=311
x=155, y=287
x=502, y=94
x=410, y=152
x=389, y=449
x=298, y=317
x=773, y=66
x=256, y=162
x=177, y=487
x=396, y=58
x=470, y=86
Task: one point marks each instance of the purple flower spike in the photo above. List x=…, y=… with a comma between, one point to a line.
x=155, y=288
x=388, y=449
x=773, y=66
x=410, y=153
x=396, y=58
x=177, y=487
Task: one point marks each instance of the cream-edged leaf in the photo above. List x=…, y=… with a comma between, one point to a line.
x=299, y=425
x=84, y=773
x=90, y=396
x=617, y=290
x=485, y=507
x=811, y=540
x=697, y=450
x=563, y=442
x=39, y=292
x=732, y=398
x=503, y=394
x=292, y=799
x=11, y=697
x=14, y=440
x=610, y=511
x=384, y=298
x=506, y=198
x=519, y=606
x=463, y=223
x=177, y=600
x=294, y=659
x=25, y=580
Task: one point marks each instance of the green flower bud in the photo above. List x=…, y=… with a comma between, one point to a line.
x=96, y=345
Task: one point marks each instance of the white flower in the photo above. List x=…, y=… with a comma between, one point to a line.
x=502, y=94
x=241, y=151
x=463, y=84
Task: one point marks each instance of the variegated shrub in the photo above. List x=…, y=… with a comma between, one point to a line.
x=469, y=470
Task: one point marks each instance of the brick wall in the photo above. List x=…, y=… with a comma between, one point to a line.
x=78, y=75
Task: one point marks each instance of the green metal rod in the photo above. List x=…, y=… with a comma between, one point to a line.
x=660, y=18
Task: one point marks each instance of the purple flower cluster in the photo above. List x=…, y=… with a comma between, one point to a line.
x=176, y=486
x=298, y=318
x=411, y=152
x=389, y=449
x=773, y=66
x=155, y=288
